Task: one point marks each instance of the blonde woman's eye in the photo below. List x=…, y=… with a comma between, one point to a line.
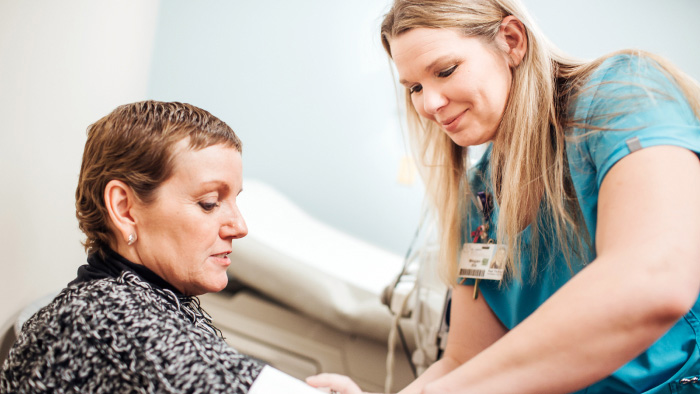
x=447, y=72
x=208, y=206
x=415, y=89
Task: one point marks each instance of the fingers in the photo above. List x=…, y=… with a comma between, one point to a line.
x=338, y=383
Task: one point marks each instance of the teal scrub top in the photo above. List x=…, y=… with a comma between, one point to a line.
x=631, y=96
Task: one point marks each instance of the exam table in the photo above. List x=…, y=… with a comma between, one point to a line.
x=305, y=297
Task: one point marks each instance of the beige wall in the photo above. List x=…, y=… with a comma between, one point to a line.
x=63, y=65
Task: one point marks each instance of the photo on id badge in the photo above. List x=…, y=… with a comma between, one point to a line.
x=499, y=259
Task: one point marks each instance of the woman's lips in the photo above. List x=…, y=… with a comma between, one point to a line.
x=451, y=124
x=222, y=258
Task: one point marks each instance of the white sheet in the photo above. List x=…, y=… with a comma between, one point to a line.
x=274, y=381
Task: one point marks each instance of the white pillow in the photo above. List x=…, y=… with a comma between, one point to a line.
x=310, y=266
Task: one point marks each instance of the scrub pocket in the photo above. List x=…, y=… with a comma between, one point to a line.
x=687, y=380
x=686, y=385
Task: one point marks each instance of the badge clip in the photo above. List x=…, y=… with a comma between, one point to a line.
x=482, y=258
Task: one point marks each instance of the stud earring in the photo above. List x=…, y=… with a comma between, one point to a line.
x=132, y=239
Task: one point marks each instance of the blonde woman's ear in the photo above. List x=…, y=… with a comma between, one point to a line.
x=513, y=35
x=119, y=201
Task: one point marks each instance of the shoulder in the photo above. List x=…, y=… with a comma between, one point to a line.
x=70, y=338
x=630, y=101
x=119, y=333
x=126, y=294
x=87, y=309
x=628, y=83
x=631, y=70
x=631, y=91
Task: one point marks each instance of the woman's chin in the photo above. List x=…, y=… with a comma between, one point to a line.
x=219, y=284
x=213, y=285
x=470, y=137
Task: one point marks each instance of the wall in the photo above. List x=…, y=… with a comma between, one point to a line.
x=63, y=65
x=307, y=87
x=591, y=28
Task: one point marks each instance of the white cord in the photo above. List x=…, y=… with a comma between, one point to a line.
x=391, y=345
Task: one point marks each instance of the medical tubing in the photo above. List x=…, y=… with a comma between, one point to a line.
x=390, y=361
x=407, y=260
x=407, y=352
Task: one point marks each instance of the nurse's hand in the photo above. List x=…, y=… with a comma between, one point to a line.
x=334, y=383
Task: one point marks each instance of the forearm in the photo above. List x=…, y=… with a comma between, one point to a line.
x=602, y=318
x=439, y=369
x=343, y=384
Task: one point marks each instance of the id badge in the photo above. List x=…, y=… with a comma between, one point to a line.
x=482, y=261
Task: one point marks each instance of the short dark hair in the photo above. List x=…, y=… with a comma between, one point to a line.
x=134, y=144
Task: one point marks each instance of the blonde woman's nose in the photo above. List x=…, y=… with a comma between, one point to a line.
x=433, y=100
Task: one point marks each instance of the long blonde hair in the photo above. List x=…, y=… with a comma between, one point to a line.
x=528, y=157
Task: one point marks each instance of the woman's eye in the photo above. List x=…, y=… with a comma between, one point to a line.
x=415, y=89
x=447, y=72
x=208, y=206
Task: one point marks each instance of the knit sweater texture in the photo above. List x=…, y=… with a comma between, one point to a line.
x=124, y=335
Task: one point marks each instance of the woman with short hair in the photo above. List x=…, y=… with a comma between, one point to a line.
x=156, y=199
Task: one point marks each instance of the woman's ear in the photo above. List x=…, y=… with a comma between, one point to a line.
x=119, y=201
x=512, y=32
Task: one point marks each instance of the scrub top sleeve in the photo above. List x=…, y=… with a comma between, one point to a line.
x=638, y=105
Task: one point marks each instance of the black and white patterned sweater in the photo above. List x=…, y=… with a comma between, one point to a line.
x=124, y=335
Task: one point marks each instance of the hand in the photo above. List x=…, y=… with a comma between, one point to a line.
x=335, y=383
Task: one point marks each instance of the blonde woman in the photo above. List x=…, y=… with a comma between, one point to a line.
x=595, y=181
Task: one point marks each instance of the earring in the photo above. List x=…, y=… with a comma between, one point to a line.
x=132, y=239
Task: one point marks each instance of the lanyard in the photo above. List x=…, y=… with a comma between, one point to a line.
x=485, y=204
x=481, y=258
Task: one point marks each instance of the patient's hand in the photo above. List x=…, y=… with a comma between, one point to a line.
x=335, y=383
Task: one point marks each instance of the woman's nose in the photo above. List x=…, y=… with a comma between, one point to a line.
x=234, y=225
x=433, y=100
